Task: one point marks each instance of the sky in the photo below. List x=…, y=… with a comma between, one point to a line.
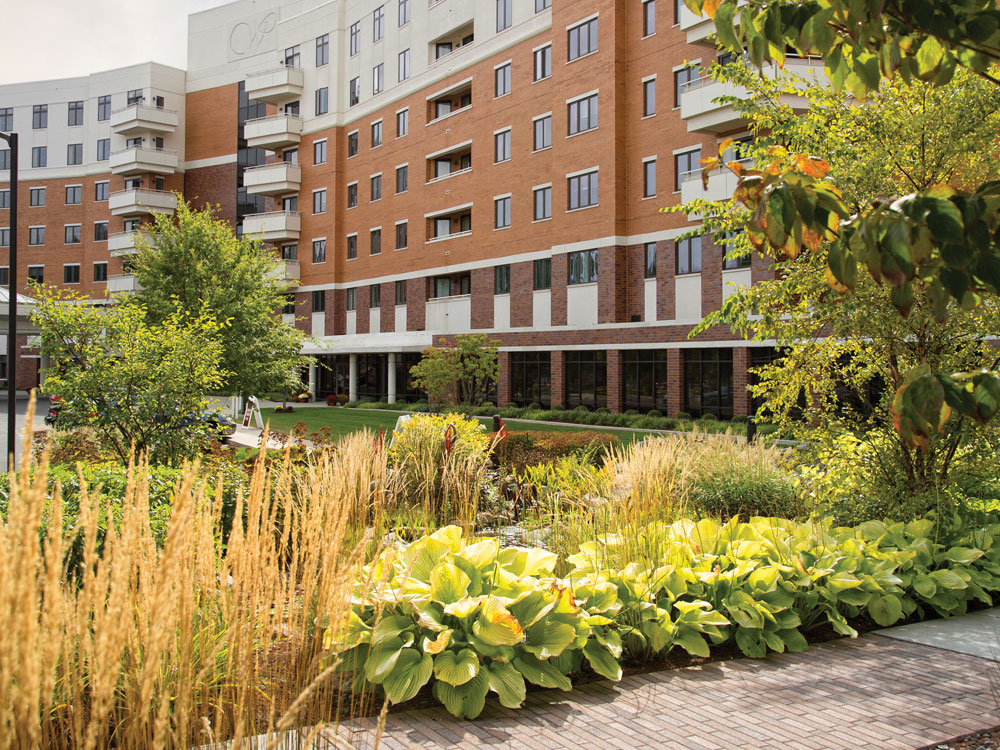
x=45, y=39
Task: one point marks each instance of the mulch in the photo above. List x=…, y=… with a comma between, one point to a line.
x=988, y=739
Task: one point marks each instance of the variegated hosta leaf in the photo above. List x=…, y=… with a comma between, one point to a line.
x=448, y=583
x=412, y=671
x=456, y=667
x=507, y=683
x=464, y=607
x=496, y=626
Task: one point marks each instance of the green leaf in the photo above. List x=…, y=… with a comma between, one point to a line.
x=692, y=642
x=929, y=57
x=602, y=661
x=963, y=555
x=456, y=668
x=541, y=673
x=751, y=643
x=465, y=701
x=549, y=638
x=382, y=659
x=885, y=610
x=925, y=586
x=389, y=627
x=412, y=671
x=496, y=626
x=795, y=642
x=507, y=683
x=448, y=583
x=948, y=579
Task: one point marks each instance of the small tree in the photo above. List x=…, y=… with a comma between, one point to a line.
x=135, y=384
x=465, y=371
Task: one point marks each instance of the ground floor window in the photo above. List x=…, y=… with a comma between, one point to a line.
x=531, y=378
x=586, y=375
x=760, y=356
x=644, y=379
x=405, y=389
x=333, y=375
x=708, y=382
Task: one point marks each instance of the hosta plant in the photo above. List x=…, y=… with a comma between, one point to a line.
x=470, y=618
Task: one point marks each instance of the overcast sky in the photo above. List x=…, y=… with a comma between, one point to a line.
x=63, y=38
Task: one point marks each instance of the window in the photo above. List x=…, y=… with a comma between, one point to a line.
x=134, y=97
x=442, y=108
x=39, y=156
x=404, y=12
x=352, y=195
x=352, y=302
x=4, y=199
x=543, y=274
x=708, y=382
x=442, y=227
x=100, y=231
x=319, y=152
x=101, y=191
x=441, y=49
x=6, y=118
x=541, y=5
x=401, y=232
x=5, y=158
x=582, y=267
x=583, y=39
x=36, y=235
x=5, y=237
x=376, y=187
x=403, y=65
x=36, y=274
x=103, y=149
x=72, y=234
x=375, y=296
x=730, y=263
x=375, y=242
x=103, y=108
x=74, y=153
x=322, y=101
x=319, y=251
x=530, y=378
x=502, y=77
x=378, y=23
x=376, y=134
x=71, y=274
x=502, y=212
x=352, y=144
x=400, y=292
x=100, y=271
x=502, y=146
x=378, y=78
x=586, y=378
x=289, y=307
x=648, y=17
x=649, y=178
x=650, y=268
x=319, y=201
x=40, y=116
x=74, y=195
x=649, y=97
x=402, y=123
x=292, y=57
x=682, y=77
x=322, y=50
x=4, y=275
x=678, y=4
x=501, y=279
x=543, y=203
x=319, y=301
x=685, y=164
x=36, y=196
x=583, y=114
x=504, y=14
x=402, y=178
x=543, y=62
x=689, y=255
x=582, y=190
x=543, y=132
x=355, y=92
x=355, y=38
x=352, y=246
x=289, y=252
x=74, y=114
x=644, y=379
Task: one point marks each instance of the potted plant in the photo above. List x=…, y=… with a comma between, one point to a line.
x=331, y=400
x=342, y=398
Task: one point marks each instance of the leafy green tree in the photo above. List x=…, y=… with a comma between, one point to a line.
x=134, y=383
x=939, y=242
x=196, y=263
x=465, y=371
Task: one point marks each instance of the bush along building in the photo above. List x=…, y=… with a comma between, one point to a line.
x=423, y=170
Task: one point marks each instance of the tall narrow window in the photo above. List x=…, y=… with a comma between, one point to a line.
x=403, y=65
x=404, y=12
x=101, y=191
x=583, y=114
x=375, y=242
x=400, y=292
x=319, y=152
x=502, y=75
x=543, y=203
x=6, y=118
x=501, y=279
x=352, y=195
x=402, y=123
x=40, y=116
x=504, y=14
x=401, y=235
x=351, y=303
x=582, y=190
x=583, y=39
x=103, y=149
x=689, y=255
x=319, y=251
x=354, y=91
x=322, y=100
x=543, y=62
x=39, y=156
x=649, y=178
x=352, y=246
x=378, y=78
x=319, y=301
x=684, y=165
x=378, y=23
x=543, y=132
x=376, y=187
x=74, y=153
x=103, y=108
x=502, y=212
x=100, y=271
x=75, y=115
x=376, y=134
x=375, y=296
x=402, y=179
x=650, y=257
x=100, y=231
x=542, y=274
x=502, y=146
x=322, y=50
x=648, y=17
x=649, y=97
x=352, y=144
x=319, y=201
x=681, y=78
x=355, y=38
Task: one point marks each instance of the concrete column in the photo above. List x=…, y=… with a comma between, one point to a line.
x=392, y=377
x=313, y=380
x=352, y=388
x=43, y=370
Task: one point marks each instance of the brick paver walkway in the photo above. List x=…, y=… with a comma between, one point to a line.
x=873, y=692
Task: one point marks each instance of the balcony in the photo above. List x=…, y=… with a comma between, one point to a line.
x=275, y=226
x=699, y=28
x=449, y=314
x=141, y=118
x=138, y=201
x=123, y=243
x=449, y=162
x=278, y=178
x=124, y=284
x=276, y=86
x=704, y=114
x=286, y=270
x=721, y=185
x=273, y=133
x=138, y=160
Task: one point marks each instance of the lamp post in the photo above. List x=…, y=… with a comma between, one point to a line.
x=11, y=139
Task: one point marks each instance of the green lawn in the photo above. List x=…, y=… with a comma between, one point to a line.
x=345, y=421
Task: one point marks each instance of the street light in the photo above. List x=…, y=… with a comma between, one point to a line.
x=11, y=139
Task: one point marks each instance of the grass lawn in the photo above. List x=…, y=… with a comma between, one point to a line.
x=345, y=421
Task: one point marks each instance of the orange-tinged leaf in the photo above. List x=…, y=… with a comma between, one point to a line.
x=737, y=167
x=834, y=283
x=724, y=146
x=810, y=239
x=810, y=165
x=710, y=6
x=439, y=644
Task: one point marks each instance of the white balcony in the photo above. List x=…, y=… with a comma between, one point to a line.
x=273, y=133
x=276, y=86
x=278, y=178
x=125, y=284
x=704, y=114
x=699, y=28
x=721, y=185
x=449, y=314
x=141, y=118
x=138, y=160
x=286, y=270
x=276, y=226
x=123, y=243
x=137, y=202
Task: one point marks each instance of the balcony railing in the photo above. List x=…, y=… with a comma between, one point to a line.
x=138, y=159
x=277, y=85
x=141, y=201
x=141, y=117
x=274, y=132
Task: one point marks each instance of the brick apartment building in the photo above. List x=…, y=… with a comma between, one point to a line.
x=424, y=169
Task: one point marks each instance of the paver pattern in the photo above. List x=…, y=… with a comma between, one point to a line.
x=873, y=692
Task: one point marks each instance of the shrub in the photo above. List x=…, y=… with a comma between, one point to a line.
x=534, y=405
x=746, y=484
x=510, y=405
x=684, y=416
x=738, y=419
x=670, y=424
x=631, y=413
x=654, y=413
x=708, y=417
x=602, y=410
x=582, y=409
